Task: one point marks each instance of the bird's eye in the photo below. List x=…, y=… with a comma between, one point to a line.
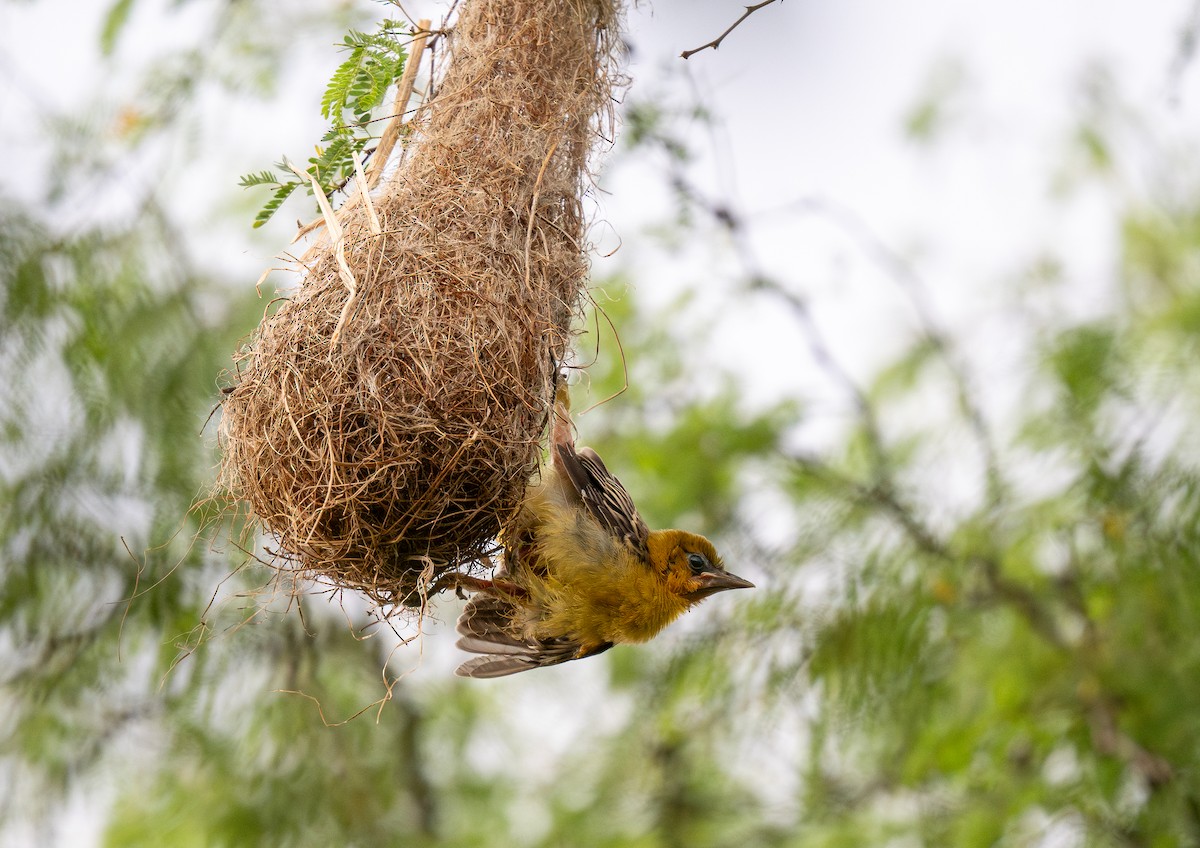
x=698, y=562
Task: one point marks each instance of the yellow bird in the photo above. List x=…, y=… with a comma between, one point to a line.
x=582, y=571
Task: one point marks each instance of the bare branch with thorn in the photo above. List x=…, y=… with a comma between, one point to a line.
x=716, y=42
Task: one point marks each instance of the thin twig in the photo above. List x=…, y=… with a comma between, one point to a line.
x=823, y=356
x=1036, y=613
x=908, y=281
x=1185, y=54
x=1109, y=739
x=818, y=347
x=716, y=42
x=883, y=496
x=404, y=90
x=1027, y=604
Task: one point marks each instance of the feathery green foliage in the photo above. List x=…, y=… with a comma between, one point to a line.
x=357, y=88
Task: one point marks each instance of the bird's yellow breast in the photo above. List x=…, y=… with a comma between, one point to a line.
x=583, y=584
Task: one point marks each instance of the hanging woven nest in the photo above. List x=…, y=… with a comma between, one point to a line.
x=384, y=420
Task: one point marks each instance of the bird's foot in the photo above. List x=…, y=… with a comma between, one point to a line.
x=461, y=582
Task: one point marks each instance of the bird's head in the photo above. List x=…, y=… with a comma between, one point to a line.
x=691, y=565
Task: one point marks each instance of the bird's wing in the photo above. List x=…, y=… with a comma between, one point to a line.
x=484, y=628
x=604, y=496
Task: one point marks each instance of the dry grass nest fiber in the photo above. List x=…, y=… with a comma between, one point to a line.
x=395, y=446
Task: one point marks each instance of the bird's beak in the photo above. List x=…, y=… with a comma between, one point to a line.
x=712, y=582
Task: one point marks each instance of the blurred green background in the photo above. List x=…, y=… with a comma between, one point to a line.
x=953, y=445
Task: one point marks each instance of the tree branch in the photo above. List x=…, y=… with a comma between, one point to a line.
x=882, y=495
x=823, y=356
x=899, y=271
x=1037, y=614
x=716, y=42
x=1109, y=739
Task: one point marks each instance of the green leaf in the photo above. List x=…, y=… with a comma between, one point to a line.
x=1085, y=361
x=901, y=377
x=280, y=195
x=933, y=110
x=359, y=85
x=261, y=178
x=114, y=23
x=334, y=98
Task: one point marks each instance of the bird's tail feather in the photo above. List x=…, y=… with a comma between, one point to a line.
x=485, y=627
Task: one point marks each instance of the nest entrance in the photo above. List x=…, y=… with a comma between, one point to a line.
x=386, y=418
